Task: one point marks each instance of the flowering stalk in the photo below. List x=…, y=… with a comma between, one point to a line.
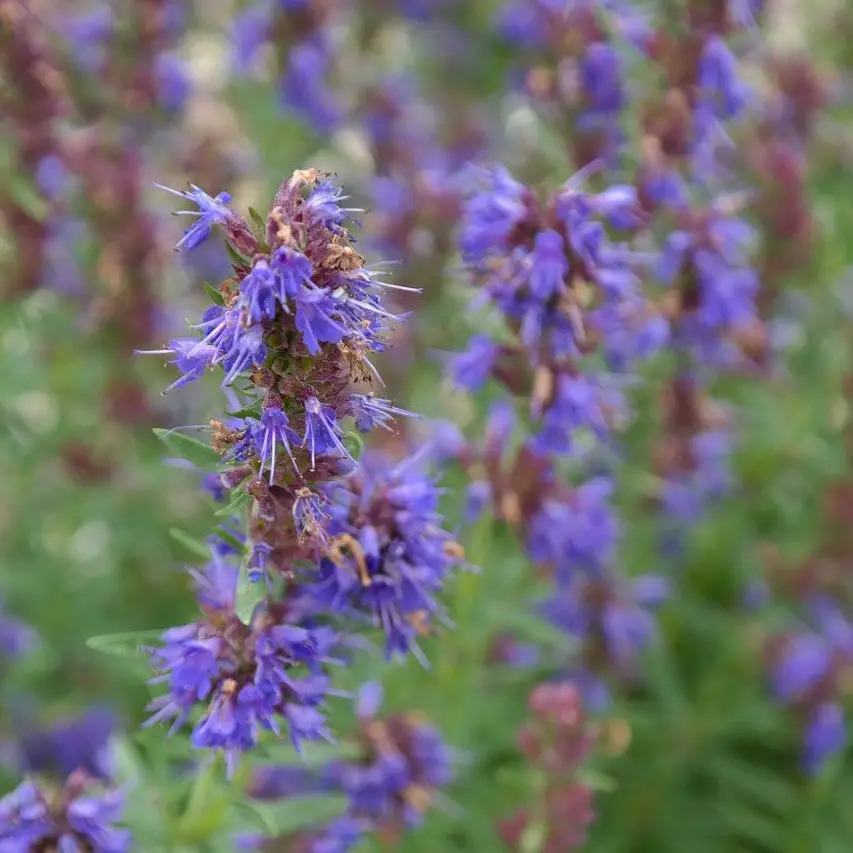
x=555, y=741
x=293, y=331
x=76, y=816
x=395, y=773
x=32, y=100
x=299, y=32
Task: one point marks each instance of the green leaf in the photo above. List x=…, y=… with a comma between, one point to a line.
x=236, y=503
x=193, y=545
x=257, y=219
x=248, y=595
x=237, y=258
x=216, y=297
x=28, y=199
x=253, y=411
x=232, y=540
x=206, y=807
x=354, y=443
x=128, y=644
x=289, y=816
x=187, y=447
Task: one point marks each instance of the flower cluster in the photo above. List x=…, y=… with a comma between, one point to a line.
x=592, y=284
x=299, y=33
x=810, y=671
x=555, y=741
x=566, y=293
x=571, y=70
x=400, y=766
x=264, y=674
x=75, y=817
x=293, y=331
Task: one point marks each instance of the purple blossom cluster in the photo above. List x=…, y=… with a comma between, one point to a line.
x=330, y=540
x=400, y=766
x=77, y=816
x=556, y=739
x=299, y=33
x=16, y=637
x=592, y=284
x=808, y=669
x=570, y=68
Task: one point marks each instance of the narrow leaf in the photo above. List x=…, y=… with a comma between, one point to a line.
x=129, y=644
x=193, y=545
x=198, y=452
x=257, y=219
x=216, y=297
x=289, y=816
x=28, y=199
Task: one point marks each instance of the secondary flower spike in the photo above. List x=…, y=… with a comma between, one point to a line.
x=76, y=817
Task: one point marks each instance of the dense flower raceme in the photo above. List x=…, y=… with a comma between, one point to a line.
x=75, y=817
x=572, y=69
x=567, y=294
x=399, y=766
x=133, y=55
x=555, y=741
x=262, y=674
x=299, y=32
x=293, y=331
x=810, y=671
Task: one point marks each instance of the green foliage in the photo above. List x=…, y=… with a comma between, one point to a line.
x=91, y=555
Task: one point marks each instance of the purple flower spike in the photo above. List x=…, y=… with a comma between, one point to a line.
x=80, y=819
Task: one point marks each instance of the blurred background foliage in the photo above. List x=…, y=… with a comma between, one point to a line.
x=698, y=753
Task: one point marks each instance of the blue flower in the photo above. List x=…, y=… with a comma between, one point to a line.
x=585, y=401
x=173, y=81
x=613, y=616
x=304, y=88
x=16, y=637
x=249, y=32
x=258, y=560
x=211, y=210
x=370, y=411
x=806, y=661
x=472, y=368
x=322, y=433
x=272, y=432
x=293, y=271
x=578, y=533
x=389, y=555
x=259, y=291
x=323, y=205
x=315, y=320
x=192, y=357
x=825, y=736
x=250, y=677
x=491, y=214
x=29, y=821
x=549, y=266
x=80, y=743
x=405, y=762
